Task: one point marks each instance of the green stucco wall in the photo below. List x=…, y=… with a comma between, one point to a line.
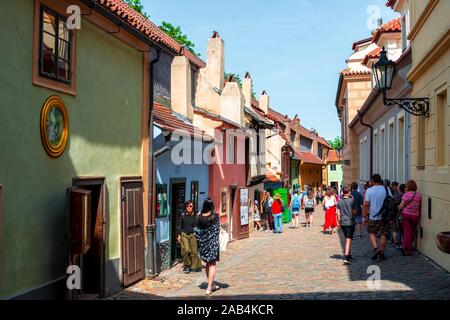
x=105, y=138
x=337, y=175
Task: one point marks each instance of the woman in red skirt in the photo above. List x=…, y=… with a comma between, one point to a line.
x=329, y=203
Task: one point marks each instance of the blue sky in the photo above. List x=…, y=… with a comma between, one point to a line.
x=294, y=49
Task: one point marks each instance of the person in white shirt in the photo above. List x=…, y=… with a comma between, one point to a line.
x=374, y=199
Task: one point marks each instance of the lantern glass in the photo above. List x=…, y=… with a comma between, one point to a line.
x=384, y=71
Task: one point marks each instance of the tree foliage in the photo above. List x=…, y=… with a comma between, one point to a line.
x=178, y=36
x=138, y=6
x=336, y=143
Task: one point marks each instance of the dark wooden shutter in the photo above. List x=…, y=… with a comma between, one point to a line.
x=132, y=233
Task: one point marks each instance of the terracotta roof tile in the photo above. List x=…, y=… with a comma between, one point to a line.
x=374, y=54
x=164, y=118
x=308, y=158
x=144, y=25
x=349, y=72
x=390, y=3
x=333, y=156
x=270, y=177
x=392, y=26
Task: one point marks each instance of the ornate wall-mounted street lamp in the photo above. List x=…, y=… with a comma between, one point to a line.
x=384, y=72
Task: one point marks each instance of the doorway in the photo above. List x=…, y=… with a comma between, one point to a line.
x=92, y=262
x=177, y=202
x=231, y=208
x=335, y=184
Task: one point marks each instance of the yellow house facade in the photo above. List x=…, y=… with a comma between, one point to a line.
x=428, y=29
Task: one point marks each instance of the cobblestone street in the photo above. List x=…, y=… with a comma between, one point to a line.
x=301, y=264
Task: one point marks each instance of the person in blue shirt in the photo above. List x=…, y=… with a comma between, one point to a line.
x=295, y=207
x=358, y=203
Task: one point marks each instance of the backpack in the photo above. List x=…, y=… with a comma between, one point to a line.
x=310, y=203
x=296, y=202
x=389, y=208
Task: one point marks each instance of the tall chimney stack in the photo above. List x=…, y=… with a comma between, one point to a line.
x=264, y=102
x=180, y=89
x=247, y=90
x=215, y=62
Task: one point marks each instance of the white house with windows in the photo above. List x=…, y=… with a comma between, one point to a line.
x=383, y=132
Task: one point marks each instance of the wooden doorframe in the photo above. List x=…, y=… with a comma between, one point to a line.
x=125, y=180
x=97, y=182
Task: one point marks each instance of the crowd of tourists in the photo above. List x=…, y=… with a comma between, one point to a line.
x=389, y=211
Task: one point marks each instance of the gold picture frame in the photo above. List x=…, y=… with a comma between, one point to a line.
x=54, y=126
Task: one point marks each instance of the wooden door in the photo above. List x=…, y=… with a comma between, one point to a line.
x=80, y=221
x=132, y=232
x=177, y=202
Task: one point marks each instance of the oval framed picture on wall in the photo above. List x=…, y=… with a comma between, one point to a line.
x=54, y=126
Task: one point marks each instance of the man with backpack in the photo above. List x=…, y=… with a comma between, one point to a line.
x=295, y=208
x=379, y=207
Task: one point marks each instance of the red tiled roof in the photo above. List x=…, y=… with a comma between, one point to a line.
x=276, y=116
x=308, y=158
x=375, y=54
x=164, y=118
x=305, y=132
x=333, y=156
x=270, y=177
x=323, y=141
x=390, y=3
x=142, y=24
x=392, y=26
x=349, y=72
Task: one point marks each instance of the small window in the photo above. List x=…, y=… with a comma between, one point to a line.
x=55, y=47
x=333, y=167
x=161, y=200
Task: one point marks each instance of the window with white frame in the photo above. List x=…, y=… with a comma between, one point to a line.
x=401, y=162
x=441, y=129
x=375, y=151
x=382, y=152
x=405, y=29
x=361, y=159
x=391, y=151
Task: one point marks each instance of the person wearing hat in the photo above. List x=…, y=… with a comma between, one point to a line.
x=277, y=211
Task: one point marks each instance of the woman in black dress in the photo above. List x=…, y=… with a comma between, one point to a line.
x=207, y=233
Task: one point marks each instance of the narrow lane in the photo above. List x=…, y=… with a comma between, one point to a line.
x=301, y=264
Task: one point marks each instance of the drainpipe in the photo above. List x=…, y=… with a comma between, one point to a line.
x=361, y=114
x=150, y=254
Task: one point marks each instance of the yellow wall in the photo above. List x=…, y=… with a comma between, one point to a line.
x=434, y=77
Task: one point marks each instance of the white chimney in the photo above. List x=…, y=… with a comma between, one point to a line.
x=247, y=90
x=215, y=62
x=180, y=88
x=232, y=102
x=264, y=102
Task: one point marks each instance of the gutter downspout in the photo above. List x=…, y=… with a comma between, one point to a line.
x=150, y=254
x=361, y=114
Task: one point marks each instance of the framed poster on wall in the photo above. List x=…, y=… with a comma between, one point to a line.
x=244, y=206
